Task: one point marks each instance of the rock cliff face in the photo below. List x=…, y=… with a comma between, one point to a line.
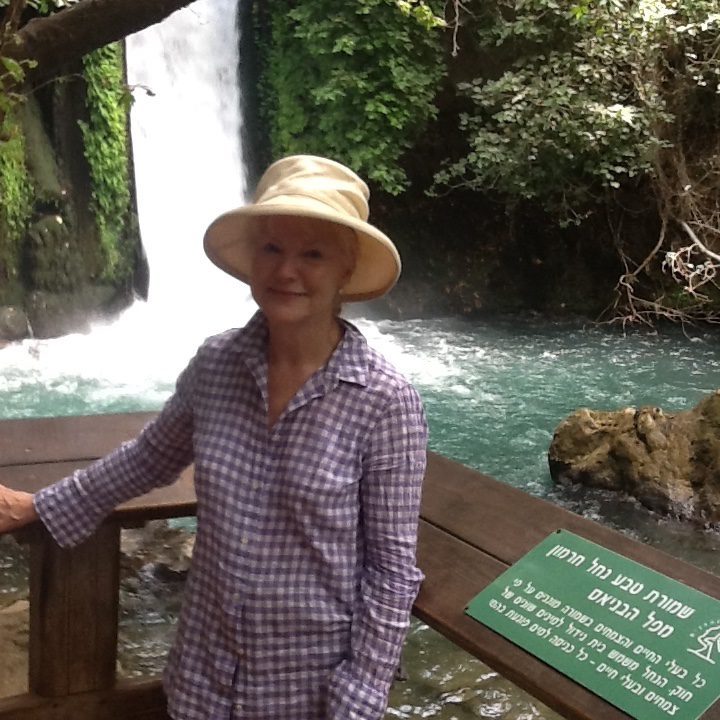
x=669, y=461
x=57, y=273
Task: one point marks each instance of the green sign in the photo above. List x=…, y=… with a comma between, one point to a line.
x=642, y=641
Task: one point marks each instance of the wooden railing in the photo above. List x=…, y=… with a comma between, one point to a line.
x=74, y=593
x=472, y=529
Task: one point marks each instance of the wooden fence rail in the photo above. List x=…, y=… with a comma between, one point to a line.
x=472, y=529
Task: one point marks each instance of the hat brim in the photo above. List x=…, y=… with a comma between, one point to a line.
x=377, y=268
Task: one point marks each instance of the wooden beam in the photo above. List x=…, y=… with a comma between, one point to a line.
x=507, y=523
x=74, y=613
x=38, y=440
x=175, y=500
x=128, y=700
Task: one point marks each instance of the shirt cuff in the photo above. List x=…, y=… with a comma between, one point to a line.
x=67, y=527
x=350, y=698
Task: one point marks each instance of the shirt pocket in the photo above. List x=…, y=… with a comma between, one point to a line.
x=325, y=497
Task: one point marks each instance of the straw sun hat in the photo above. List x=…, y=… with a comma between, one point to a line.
x=314, y=187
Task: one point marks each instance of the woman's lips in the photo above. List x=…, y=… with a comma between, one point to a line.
x=287, y=293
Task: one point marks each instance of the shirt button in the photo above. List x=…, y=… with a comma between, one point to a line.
x=238, y=706
x=244, y=540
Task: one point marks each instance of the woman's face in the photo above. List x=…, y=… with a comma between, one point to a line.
x=299, y=267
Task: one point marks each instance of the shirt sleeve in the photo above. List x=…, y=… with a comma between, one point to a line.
x=393, y=470
x=72, y=508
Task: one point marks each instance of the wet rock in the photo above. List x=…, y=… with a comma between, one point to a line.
x=14, y=621
x=168, y=550
x=40, y=155
x=670, y=462
x=55, y=314
x=14, y=324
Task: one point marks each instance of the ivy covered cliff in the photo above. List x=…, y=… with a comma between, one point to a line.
x=69, y=245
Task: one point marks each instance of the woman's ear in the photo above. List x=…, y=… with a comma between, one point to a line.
x=347, y=275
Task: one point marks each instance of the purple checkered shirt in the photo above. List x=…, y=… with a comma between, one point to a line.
x=303, y=573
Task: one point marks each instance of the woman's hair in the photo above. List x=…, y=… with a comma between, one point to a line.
x=349, y=240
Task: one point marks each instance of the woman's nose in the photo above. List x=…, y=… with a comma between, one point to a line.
x=286, y=266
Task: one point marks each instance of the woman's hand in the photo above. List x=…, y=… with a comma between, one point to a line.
x=16, y=509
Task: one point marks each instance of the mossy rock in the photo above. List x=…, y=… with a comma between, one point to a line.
x=40, y=155
x=53, y=258
x=56, y=314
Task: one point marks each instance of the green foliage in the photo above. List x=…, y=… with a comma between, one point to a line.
x=353, y=80
x=421, y=12
x=106, y=149
x=12, y=74
x=588, y=97
x=44, y=7
x=16, y=192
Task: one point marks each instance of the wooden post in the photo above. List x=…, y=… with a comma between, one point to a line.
x=74, y=613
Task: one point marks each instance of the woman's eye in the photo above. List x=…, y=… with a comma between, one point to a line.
x=270, y=248
x=313, y=254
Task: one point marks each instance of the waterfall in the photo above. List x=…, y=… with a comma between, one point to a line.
x=188, y=154
x=188, y=159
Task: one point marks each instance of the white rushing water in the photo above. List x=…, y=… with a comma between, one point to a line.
x=189, y=165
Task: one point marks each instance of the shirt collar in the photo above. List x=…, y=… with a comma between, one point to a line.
x=348, y=363
x=252, y=339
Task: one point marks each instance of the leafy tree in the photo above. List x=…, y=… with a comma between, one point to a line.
x=591, y=96
x=353, y=80
x=561, y=123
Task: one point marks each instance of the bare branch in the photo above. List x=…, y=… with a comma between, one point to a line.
x=697, y=242
x=457, y=6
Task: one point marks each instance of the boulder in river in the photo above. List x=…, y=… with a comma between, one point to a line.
x=670, y=462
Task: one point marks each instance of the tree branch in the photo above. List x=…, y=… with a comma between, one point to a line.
x=697, y=242
x=11, y=20
x=67, y=35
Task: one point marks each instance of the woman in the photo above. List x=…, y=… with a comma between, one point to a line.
x=309, y=452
